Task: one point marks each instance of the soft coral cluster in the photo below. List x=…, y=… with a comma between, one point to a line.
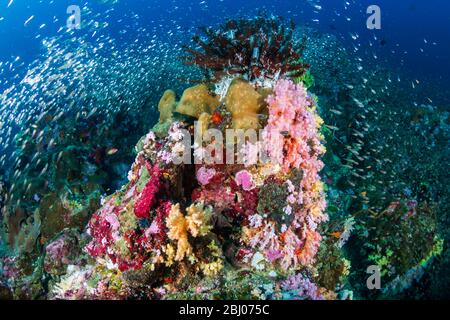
x=143, y=229
x=294, y=143
x=300, y=287
x=114, y=228
x=294, y=127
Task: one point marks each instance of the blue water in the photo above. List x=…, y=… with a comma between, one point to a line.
x=406, y=25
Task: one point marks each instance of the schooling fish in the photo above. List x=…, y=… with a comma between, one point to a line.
x=112, y=151
x=28, y=20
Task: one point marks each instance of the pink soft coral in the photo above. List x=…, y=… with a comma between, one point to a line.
x=293, y=141
x=291, y=128
x=244, y=178
x=205, y=175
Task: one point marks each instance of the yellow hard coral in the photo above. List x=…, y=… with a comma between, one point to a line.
x=178, y=231
x=166, y=106
x=211, y=269
x=197, y=100
x=170, y=253
x=203, y=121
x=245, y=104
x=197, y=220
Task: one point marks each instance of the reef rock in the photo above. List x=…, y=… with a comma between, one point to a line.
x=61, y=252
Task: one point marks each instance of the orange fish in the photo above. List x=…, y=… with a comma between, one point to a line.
x=216, y=118
x=336, y=234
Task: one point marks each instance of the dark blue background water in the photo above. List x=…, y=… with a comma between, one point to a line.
x=406, y=25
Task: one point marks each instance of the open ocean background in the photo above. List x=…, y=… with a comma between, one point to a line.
x=415, y=34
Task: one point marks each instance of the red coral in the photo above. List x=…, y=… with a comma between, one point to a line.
x=134, y=264
x=158, y=228
x=248, y=200
x=161, y=215
x=100, y=230
x=242, y=253
x=219, y=197
x=148, y=196
x=228, y=196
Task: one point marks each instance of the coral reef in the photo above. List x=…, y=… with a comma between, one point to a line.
x=290, y=228
x=171, y=231
x=166, y=106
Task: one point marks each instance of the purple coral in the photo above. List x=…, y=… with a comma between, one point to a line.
x=302, y=288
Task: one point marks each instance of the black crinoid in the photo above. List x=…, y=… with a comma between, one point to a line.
x=255, y=48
